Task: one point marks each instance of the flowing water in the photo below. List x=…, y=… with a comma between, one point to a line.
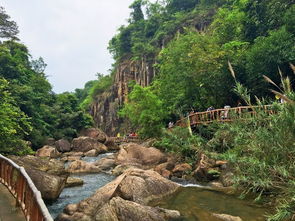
x=196, y=203
x=92, y=182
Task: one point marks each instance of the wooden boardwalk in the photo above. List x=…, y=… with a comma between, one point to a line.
x=8, y=211
x=224, y=115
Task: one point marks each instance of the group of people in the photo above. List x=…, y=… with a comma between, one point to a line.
x=132, y=134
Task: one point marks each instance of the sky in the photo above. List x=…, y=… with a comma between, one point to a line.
x=70, y=35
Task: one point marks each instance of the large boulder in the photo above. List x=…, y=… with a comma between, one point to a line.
x=138, y=186
x=47, y=151
x=48, y=175
x=95, y=133
x=124, y=210
x=80, y=166
x=63, y=145
x=84, y=144
x=49, y=185
x=51, y=166
x=132, y=153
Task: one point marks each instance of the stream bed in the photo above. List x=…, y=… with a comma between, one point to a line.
x=92, y=182
x=197, y=203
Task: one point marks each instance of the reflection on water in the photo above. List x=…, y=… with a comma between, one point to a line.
x=92, y=182
x=196, y=204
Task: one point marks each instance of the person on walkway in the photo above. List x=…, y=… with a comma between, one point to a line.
x=210, y=115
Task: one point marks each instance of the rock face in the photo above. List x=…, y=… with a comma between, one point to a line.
x=63, y=145
x=120, y=199
x=79, y=166
x=132, y=153
x=49, y=176
x=95, y=133
x=47, y=151
x=119, y=209
x=84, y=144
x=104, y=110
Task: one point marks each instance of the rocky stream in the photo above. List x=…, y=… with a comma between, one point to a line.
x=94, y=179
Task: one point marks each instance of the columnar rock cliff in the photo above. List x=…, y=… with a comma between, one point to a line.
x=104, y=110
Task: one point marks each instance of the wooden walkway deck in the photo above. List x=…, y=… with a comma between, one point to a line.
x=224, y=115
x=8, y=211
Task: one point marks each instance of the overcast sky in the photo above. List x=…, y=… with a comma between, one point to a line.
x=71, y=35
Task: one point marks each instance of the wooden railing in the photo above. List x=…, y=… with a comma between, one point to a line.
x=125, y=139
x=224, y=115
x=23, y=189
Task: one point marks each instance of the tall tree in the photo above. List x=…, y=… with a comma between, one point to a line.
x=8, y=28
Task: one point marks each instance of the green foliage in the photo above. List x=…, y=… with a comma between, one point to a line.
x=180, y=141
x=145, y=111
x=192, y=73
x=14, y=124
x=69, y=118
x=102, y=84
x=49, y=115
x=263, y=152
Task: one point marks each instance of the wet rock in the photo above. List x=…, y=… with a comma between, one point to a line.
x=95, y=133
x=181, y=169
x=74, y=181
x=70, y=158
x=63, y=145
x=49, y=185
x=48, y=151
x=138, y=186
x=80, y=166
x=92, y=153
x=124, y=210
x=225, y=217
x=105, y=164
x=80, y=154
x=133, y=153
x=84, y=144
